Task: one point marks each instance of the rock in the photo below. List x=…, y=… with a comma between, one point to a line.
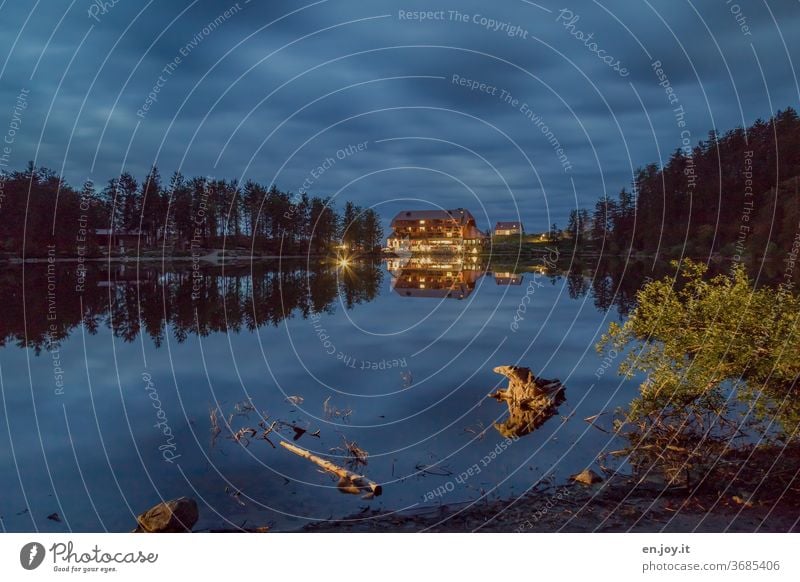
x=175, y=516
x=587, y=477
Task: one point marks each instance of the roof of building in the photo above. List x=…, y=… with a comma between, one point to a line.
x=459, y=214
x=507, y=225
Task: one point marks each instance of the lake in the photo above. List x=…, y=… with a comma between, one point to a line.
x=109, y=377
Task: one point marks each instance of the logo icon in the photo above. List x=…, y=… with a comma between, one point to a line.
x=31, y=555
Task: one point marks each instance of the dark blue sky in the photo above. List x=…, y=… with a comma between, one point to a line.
x=275, y=90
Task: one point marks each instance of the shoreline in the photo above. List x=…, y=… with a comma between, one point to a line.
x=218, y=256
x=206, y=259
x=617, y=505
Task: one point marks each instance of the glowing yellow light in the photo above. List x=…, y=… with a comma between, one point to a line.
x=344, y=262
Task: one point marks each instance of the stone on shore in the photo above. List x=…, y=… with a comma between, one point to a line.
x=587, y=477
x=174, y=516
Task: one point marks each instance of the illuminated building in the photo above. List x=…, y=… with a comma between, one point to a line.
x=435, y=231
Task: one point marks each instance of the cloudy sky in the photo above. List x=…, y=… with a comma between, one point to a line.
x=558, y=105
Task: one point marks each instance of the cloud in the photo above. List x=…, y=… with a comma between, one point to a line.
x=269, y=101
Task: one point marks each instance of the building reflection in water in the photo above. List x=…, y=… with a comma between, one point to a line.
x=507, y=278
x=453, y=277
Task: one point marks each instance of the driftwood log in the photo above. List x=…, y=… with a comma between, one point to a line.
x=349, y=482
x=531, y=401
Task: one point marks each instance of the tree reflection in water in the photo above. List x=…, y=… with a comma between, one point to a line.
x=139, y=298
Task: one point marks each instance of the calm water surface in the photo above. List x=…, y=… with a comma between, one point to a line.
x=108, y=381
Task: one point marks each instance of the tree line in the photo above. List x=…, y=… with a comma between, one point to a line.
x=40, y=209
x=736, y=194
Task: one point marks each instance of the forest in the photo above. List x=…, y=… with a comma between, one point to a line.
x=734, y=194
x=38, y=210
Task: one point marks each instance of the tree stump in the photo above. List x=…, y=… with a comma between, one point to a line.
x=531, y=401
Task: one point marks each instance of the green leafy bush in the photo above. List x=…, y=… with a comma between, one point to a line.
x=718, y=351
